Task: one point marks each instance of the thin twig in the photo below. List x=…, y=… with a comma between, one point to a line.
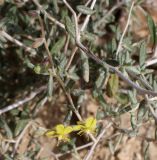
x=55, y=156
x=143, y=81
x=151, y=108
x=48, y=15
x=17, y=42
x=151, y=62
x=88, y=16
x=20, y=137
x=155, y=52
x=82, y=29
x=91, y=151
x=22, y=101
x=125, y=29
x=141, y=90
x=66, y=44
x=152, y=99
x=45, y=43
x=78, y=149
x=153, y=112
x=50, y=35
x=71, y=58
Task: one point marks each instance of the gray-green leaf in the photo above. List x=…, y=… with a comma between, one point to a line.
x=58, y=45
x=70, y=27
x=85, y=66
x=152, y=29
x=50, y=85
x=85, y=10
x=142, y=57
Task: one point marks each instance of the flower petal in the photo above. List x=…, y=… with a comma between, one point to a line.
x=90, y=123
x=68, y=130
x=77, y=127
x=50, y=133
x=60, y=129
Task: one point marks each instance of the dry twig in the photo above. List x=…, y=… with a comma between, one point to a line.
x=125, y=29
x=20, y=137
x=151, y=108
x=78, y=149
x=22, y=101
x=91, y=151
x=48, y=15
x=17, y=42
x=82, y=29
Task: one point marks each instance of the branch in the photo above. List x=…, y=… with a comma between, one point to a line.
x=89, y=154
x=77, y=31
x=45, y=43
x=125, y=29
x=78, y=149
x=17, y=42
x=82, y=29
x=115, y=70
x=48, y=15
x=154, y=114
x=20, y=137
x=151, y=62
x=22, y=101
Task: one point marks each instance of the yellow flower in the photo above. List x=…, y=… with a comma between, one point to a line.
x=61, y=132
x=87, y=126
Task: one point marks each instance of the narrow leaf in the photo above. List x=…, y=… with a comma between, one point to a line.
x=85, y=67
x=133, y=121
x=113, y=85
x=142, y=57
x=38, y=42
x=133, y=70
x=50, y=85
x=114, y=45
x=85, y=10
x=72, y=74
x=58, y=45
x=146, y=151
x=88, y=36
x=152, y=29
x=141, y=111
x=70, y=27
x=101, y=79
x=132, y=97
